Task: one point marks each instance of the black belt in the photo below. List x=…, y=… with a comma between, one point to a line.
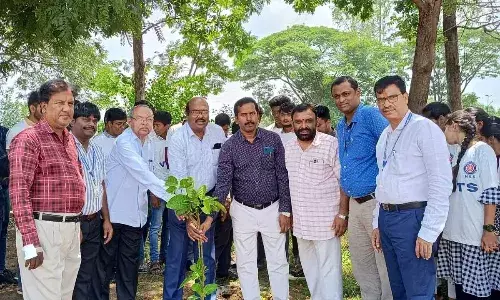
x=56, y=218
x=404, y=206
x=257, y=206
x=365, y=198
x=89, y=217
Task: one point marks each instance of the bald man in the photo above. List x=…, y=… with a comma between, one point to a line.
x=193, y=150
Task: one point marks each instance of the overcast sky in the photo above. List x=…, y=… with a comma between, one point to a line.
x=277, y=16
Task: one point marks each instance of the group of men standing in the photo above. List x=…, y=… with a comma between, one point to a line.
x=81, y=203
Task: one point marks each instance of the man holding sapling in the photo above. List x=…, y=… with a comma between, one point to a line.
x=193, y=151
x=252, y=165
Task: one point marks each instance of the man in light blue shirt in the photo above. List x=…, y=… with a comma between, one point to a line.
x=358, y=133
x=193, y=150
x=129, y=176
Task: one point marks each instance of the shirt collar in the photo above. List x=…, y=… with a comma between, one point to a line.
x=80, y=146
x=191, y=132
x=240, y=136
x=356, y=116
x=106, y=134
x=29, y=122
x=44, y=125
x=401, y=124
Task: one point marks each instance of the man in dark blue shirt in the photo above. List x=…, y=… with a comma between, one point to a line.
x=252, y=166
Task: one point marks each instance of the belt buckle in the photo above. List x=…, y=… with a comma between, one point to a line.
x=385, y=206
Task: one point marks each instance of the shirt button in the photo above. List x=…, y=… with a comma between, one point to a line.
x=349, y=192
x=345, y=167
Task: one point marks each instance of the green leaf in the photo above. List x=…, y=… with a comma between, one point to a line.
x=172, y=181
x=177, y=202
x=197, y=288
x=206, y=210
x=193, y=297
x=186, y=281
x=202, y=191
x=210, y=288
x=172, y=189
x=191, y=193
x=186, y=183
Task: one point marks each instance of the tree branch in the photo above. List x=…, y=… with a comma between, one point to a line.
x=152, y=25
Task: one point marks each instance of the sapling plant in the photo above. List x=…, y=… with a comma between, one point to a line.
x=190, y=203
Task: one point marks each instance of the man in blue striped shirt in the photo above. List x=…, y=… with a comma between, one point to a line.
x=91, y=158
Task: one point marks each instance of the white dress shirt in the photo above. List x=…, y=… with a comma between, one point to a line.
x=15, y=130
x=273, y=128
x=129, y=174
x=190, y=156
x=105, y=141
x=417, y=169
x=287, y=136
x=160, y=167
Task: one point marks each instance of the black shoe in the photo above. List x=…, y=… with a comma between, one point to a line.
x=7, y=277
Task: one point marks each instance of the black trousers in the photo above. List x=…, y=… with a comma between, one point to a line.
x=124, y=246
x=223, y=243
x=89, y=248
x=261, y=253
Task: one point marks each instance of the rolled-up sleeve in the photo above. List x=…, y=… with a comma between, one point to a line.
x=436, y=160
x=24, y=158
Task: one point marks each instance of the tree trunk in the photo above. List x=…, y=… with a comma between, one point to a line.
x=139, y=67
x=450, y=33
x=425, y=52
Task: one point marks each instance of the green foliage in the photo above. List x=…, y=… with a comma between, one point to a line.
x=307, y=59
x=472, y=100
x=190, y=203
x=361, y=8
x=12, y=109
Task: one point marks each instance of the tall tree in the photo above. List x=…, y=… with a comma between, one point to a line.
x=305, y=60
x=452, y=61
x=426, y=28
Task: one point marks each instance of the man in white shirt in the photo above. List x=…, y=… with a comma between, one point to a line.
x=275, y=105
x=413, y=189
x=129, y=175
x=313, y=168
x=33, y=118
x=193, y=151
x=115, y=121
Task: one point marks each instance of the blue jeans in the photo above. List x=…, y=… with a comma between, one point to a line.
x=175, y=267
x=411, y=278
x=154, y=228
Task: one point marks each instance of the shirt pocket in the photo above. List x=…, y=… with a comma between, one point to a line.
x=317, y=171
x=267, y=162
x=400, y=165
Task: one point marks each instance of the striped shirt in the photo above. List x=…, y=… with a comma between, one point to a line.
x=314, y=186
x=92, y=161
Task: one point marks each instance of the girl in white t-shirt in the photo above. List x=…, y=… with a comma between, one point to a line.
x=468, y=253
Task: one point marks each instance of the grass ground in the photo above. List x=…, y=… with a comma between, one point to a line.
x=150, y=286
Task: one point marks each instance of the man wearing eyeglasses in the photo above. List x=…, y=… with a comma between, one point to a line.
x=413, y=189
x=129, y=176
x=193, y=150
x=358, y=133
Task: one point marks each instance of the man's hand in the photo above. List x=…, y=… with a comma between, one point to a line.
x=339, y=226
x=155, y=201
x=489, y=242
x=225, y=214
x=107, y=229
x=198, y=234
x=34, y=262
x=284, y=223
x=376, y=240
x=423, y=249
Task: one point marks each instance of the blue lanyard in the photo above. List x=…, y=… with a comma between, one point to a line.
x=386, y=158
x=84, y=161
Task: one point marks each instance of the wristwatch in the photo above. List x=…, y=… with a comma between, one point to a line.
x=343, y=217
x=490, y=228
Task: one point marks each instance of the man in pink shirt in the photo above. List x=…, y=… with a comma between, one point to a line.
x=313, y=171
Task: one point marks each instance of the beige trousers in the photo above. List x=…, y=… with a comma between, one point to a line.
x=55, y=278
x=322, y=265
x=368, y=265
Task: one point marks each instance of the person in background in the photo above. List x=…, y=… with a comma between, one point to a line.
x=6, y=275
x=193, y=151
x=275, y=105
x=34, y=117
x=93, y=230
x=437, y=112
x=47, y=191
x=413, y=188
x=323, y=122
x=259, y=205
x=224, y=121
x=285, y=116
x=481, y=117
x=468, y=252
x=358, y=132
x=115, y=122
x=129, y=180
x=161, y=124
x=313, y=170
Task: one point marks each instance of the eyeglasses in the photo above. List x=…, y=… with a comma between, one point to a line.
x=199, y=112
x=144, y=120
x=391, y=99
